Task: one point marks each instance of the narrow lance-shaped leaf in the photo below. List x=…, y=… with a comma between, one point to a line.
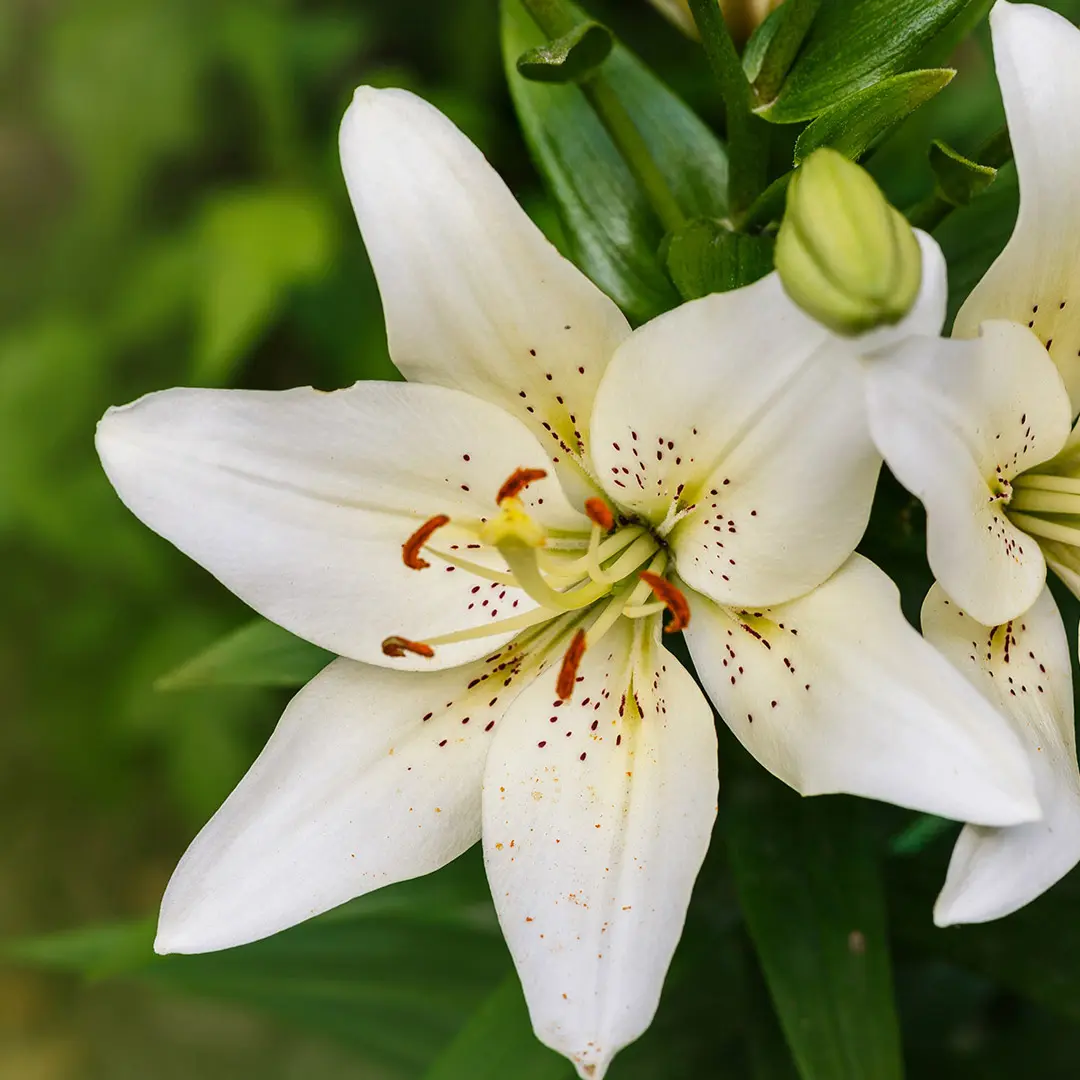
x=853, y=44
x=569, y=58
x=706, y=257
x=613, y=232
x=959, y=179
x=853, y=125
x=810, y=890
x=498, y=1042
x=260, y=653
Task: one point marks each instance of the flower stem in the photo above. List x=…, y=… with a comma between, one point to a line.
x=748, y=135
x=556, y=18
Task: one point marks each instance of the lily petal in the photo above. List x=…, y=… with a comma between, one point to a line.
x=371, y=777
x=475, y=297
x=1036, y=279
x=300, y=501
x=1023, y=668
x=597, y=815
x=956, y=421
x=747, y=418
x=835, y=692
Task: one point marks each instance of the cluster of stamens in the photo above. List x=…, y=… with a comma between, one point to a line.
x=619, y=571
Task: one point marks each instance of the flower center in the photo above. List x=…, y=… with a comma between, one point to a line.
x=1047, y=505
x=586, y=582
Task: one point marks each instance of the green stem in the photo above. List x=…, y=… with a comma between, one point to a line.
x=556, y=19
x=748, y=135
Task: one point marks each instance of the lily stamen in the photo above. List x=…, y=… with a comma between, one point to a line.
x=399, y=646
x=410, y=550
x=517, y=482
x=599, y=513
x=672, y=598
x=564, y=688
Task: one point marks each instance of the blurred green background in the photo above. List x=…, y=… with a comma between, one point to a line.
x=172, y=212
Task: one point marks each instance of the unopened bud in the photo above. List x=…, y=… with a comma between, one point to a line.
x=844, y=255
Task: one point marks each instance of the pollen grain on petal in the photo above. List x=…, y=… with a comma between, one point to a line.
x=399, y=646
x=568, y=672
x=410, y=550
x=599, y=513
x=518, y=481
x=672, y=597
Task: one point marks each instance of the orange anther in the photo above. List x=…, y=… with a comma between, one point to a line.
x=518, y=481
x=399, y=646
x=673, y=600
x=568, y=672
x=410, y=550
x=599, y=513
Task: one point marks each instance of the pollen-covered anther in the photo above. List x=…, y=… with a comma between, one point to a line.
x=673, y=600
x=410, y=550
x=570, y=663
x=599, y=513
x=517, y=482
x=399, y=646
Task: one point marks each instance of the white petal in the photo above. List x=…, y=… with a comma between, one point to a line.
x=835, y=692
x=597, y=815
x=1023, y=668
x=954, y=417
x=475, y=297
x=371, y=777
x=299, y=502
x=1036, y=279
x=748, y=417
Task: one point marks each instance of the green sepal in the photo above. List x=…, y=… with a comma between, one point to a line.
x=959, y=179
x=707, y=257
x=570, y=58
x=853, y=125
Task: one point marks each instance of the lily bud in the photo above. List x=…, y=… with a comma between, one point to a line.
x=844, y=255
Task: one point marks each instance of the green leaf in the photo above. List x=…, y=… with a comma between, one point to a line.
x=853, y=125
x=255, y=246
x=612, y=230
x=93, y=951
x=569, y=58
x=921, y=833
x=257, y=654
x=813, y=901
x=774, y=46
x=395, y=974
x=706, y=257
x=498, y=1042
x=959, y=179
x=853, y=44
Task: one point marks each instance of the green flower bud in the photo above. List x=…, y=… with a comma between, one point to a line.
x=845, y=256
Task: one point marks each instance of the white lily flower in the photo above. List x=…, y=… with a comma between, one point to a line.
x=978, y=428
x=1023, y=668
x=490, y=548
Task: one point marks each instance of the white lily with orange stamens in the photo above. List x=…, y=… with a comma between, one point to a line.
x=979, y=427
x=1023, y=667
x=490, y=548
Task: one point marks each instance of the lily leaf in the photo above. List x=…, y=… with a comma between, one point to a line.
x=259, y=653
x=706, y=257
x=569, y=58
x=959, y=179
x=853, y=125
x=808, y=882
x=771, y=51
x=852, y=45
x=498, y=1042
x=612, y=231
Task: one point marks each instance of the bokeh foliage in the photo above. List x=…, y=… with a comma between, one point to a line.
x=172, y=212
